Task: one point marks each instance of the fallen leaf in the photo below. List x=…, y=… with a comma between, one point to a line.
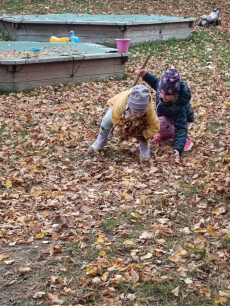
x=108, y=291
x=146, y=235
x=134, y=276
x=4, y=256
x=91, y=271
x=128, y=242
x=103, y=254
x=134, y=215
x=68, y=290
x=56, y=249
x=212, y=231
x=96, y=280
x=131, y=296
x=225, y=292
x=161, y=159
x=153, y=169
x=188, y=281
x=9, y=262
x=205, y=291
x=54, y=297
x=147, y=256
x=24, y=269
x=39, y=294
x=39, y=236
x=175, y=291
x=8, y=184
x=220, y=299
x=54, y=278
x=105, y=276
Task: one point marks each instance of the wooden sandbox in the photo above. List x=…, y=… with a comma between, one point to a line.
x=57, y=64
x=96, y=28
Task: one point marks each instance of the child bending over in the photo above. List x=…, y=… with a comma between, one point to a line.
x=130, y=105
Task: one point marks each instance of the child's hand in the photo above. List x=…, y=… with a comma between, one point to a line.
x=176, y=154
x=141, y=72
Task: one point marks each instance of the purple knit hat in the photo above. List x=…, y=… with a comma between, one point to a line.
x=138, y=100
x=170, y=82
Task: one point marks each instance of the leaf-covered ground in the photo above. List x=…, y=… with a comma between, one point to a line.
x=105, y=230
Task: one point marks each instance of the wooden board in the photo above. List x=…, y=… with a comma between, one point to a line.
x=53, y=73
x=76, y=80
x=99, y=33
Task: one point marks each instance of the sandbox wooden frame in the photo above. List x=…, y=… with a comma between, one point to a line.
x=24, y=74
x=97, y=32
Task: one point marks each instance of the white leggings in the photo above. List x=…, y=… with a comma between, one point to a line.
x=106, y=124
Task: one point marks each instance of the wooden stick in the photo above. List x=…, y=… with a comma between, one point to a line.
x=143, y=66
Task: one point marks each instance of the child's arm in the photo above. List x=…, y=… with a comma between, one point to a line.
x=149, y=78
x=152, y=80
x=181, y=129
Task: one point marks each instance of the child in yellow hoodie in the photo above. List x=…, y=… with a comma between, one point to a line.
x=136, y=102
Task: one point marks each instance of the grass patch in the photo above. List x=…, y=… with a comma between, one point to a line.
x=194, y=189
x=8, y=92
x=184, y=220
x=199, y=253
x=109, y=224
x=120, y=78
x=171, y=48
x=211, y=96
x=3, y=128
x=25, y=303
x=226, y=243
x=73, y=155
x=74, y=246
x=4, y=36
x=226, y=80
x=214, y=127
x=123, y=248
x=22, y=134
x=88, y=252
x=212, y=165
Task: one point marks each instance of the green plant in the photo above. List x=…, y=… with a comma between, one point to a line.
x=73, y=246
x=201, y=253
x=5, y=37
x=214, y=127
x=195, y=189
x=184, y=220
x=226, y=243
x=212, y=164
x=110, y=224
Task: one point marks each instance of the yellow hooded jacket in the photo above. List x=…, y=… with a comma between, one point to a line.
x=118, y=104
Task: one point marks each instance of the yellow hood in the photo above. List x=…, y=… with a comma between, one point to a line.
x=118, y=104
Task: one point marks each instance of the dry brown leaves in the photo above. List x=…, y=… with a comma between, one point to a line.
x=171, y=220
x=126, y=128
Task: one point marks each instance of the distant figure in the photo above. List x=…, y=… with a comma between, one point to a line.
x=212, y=18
